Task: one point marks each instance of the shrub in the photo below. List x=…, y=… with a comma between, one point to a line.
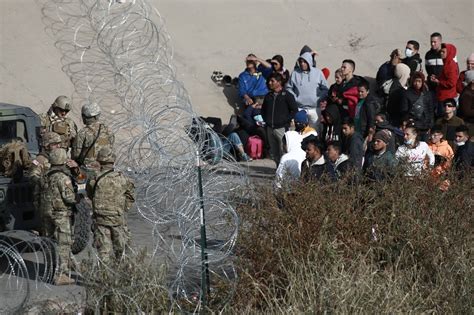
x=399, y=246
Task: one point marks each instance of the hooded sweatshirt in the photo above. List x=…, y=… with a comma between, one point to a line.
x=308, y=87
x=397, y=91
x=289, y=168
x=448, y=78
x=332, y=132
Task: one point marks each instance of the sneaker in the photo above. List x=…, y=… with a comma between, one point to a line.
x=63, y=280
x=246, y=158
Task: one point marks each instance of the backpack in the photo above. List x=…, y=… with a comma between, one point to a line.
x=254, y=147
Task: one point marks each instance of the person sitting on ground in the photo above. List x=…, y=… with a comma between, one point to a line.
x=315, y=166
x=366, y=109
x=461, y=80
x=414, y=153
x=466, y=102
x=395, y=94
x=277, y=110
x=413, y=59
x=338, y=161
x=450, y=121
x=348, y=95
x=416, y=104
x=252, y=84
x=302, y=124
x=332, y=128
x=387, y=70
x=251, y=123
x=442, y=151
x=308, y=85
x=353, y=144
x=289, y=169
x=447, y=79
x=380, y=163
x=464, y=156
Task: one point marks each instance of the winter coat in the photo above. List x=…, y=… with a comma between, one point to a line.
x=393, y=103
x=349, y=94
x=466, y=105
x=385, y=72
x=414, y=62
x=419, y=107
x=448, y=77
x=353, y=146
x=341, y=166
x=464, y=158
x=366, y=115
x=252, y=84
x=378, y=167
x=308, y=87
x=433, y=65
x=444, y=150
x=278, y=108
x=315, y=171
x=289, y=168
x=449, y=127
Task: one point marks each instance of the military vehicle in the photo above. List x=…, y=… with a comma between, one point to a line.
x=17, y=211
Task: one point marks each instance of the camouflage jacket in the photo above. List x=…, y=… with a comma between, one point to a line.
x=39, y=167
x=84, y=150
x=112, y=195
x=57, y=192
x=65, y=127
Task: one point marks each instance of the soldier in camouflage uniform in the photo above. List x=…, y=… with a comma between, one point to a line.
x=112, y=194
x=55, y=120
x=90, y=139
x=57, y=201
x=40, y=166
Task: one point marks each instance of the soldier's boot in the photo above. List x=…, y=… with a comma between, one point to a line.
x=63, y=279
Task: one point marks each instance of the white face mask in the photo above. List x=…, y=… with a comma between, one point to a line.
x=408, y=52
x=460, y=143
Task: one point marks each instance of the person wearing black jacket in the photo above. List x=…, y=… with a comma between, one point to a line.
x=413, y=59
x=277, y=109
x=416, y=105
x=353, y=144
x=366, y=109
x=433, y=60
x=332, y=129
x=464, y=155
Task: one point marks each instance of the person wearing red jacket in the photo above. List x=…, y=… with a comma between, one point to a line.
x=446, y=81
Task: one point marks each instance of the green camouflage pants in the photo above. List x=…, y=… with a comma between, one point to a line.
x=62, y=235
x=108, y=239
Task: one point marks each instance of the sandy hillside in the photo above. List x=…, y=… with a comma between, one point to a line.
x=210, y=34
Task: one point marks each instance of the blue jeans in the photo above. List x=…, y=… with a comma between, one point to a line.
x=232, y=141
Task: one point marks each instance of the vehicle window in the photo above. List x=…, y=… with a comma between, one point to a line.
x=12, y=129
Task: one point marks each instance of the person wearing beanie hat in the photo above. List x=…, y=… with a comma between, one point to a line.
x=302, y=124
x=466, y=102
x=462, y=82
x=380, y=162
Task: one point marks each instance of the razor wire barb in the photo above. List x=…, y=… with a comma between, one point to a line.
x=119, y=55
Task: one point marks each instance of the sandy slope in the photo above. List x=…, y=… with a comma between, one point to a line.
x=217, y=34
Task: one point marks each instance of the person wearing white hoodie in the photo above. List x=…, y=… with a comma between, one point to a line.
x=289, y=169
x=309, y=87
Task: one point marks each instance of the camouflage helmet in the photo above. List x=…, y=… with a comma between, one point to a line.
x=50, y=138
x=90, y=110
x=58, y=156
x=62, y=102
x=106, y=155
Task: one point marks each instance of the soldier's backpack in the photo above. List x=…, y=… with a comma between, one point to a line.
x=14, y=159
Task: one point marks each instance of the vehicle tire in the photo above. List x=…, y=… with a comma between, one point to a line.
x=82, y=226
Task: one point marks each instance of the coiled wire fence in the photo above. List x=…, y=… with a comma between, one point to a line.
x=119, y=55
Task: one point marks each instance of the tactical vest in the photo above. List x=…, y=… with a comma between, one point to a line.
x=100, y=140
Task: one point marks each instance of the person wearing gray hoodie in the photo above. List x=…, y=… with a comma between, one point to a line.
x=309, y=87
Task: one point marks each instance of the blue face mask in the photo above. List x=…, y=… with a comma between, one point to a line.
x=409, y=142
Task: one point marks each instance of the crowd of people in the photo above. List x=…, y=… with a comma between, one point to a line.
x=68, y=159
x=417, y=114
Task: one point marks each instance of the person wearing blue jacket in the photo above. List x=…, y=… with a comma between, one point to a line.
x=308, y=85
x=252, y=83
